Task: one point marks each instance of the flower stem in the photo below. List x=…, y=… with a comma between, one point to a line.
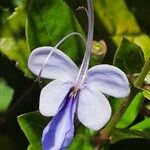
x=140, y=79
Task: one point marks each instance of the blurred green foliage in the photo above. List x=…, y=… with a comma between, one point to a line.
x=6, y=97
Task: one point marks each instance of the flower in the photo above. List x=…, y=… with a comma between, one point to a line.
x=74, y=90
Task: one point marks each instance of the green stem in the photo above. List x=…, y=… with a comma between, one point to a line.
x=107, y=131
x=140, y=79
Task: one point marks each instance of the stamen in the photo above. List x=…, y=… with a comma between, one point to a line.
x=55, y=47
x=67, y=36
x=74, y=92
x=85, y=63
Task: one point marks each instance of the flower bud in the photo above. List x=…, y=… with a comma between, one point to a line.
x=99, y=50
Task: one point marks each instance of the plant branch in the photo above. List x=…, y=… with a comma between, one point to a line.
x=140, y=79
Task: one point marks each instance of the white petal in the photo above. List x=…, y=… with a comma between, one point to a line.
x=52, y=96
x=109, y=80
x=93, y=108
x=58, y=66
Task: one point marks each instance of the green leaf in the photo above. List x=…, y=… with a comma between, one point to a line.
x=129, y=57
x=32, y=125
x=30, y=147
x=49, y=22
x=146, y=94
x=147, y=78
x=121, y=134
x=115, y=104
x=140, y=39
x=131, y=112
x=119, y=21
x=4, y=13
x=15, y=22
x=142, y=126
x=12, y=43
x=81, y=140
x=15, y=49
x=5, y=96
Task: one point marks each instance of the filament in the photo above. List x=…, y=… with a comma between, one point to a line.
x=85, y=63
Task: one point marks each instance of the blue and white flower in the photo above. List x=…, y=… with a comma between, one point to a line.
x=75, y=90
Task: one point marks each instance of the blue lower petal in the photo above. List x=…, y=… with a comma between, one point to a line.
x=58, y=134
